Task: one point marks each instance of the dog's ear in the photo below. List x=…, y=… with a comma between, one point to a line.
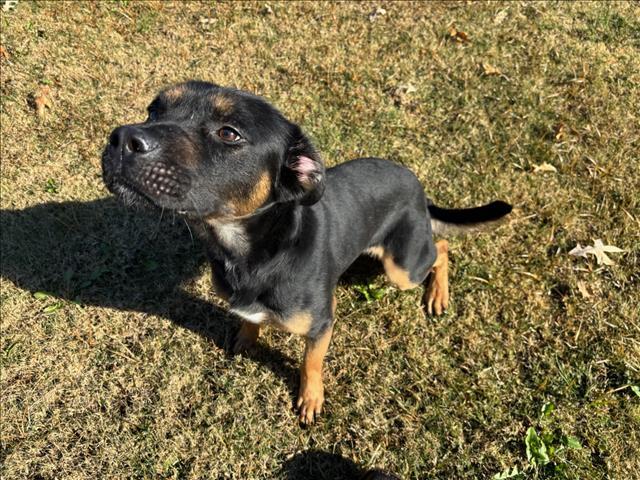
x=302, y=173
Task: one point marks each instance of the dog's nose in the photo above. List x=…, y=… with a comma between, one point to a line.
x=131, y=140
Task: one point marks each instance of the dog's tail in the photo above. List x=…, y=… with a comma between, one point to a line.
x=451, y=221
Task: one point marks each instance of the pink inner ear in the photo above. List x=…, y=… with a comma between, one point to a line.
x=305, y=165
x=304, y=168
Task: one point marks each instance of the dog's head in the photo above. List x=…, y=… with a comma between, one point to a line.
x=212, y=152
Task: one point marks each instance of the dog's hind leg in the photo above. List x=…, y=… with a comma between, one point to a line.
x=436, y=295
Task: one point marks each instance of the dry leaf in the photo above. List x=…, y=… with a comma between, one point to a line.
x=544, y=167
x=583, y=290
x=8, y=5
x=499, y=18
x=4, y=54
x=402, y=94
x=598, y=250
x=406, y=88
x=378, y=12
x=559, y=131
x=579, y=251
x=207, y=22
x=490, y=69
x=42, y=99
x=458, y=35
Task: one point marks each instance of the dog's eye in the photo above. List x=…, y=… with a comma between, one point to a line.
x=153, y=115
x=228, y=134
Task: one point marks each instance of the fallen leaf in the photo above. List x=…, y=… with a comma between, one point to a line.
x=407, y=88
x=499, y=18
x=402, y=94
x=578, y=251
x=8, y=5
x=458, y=35
x=490, y=69
x=4, y=54
x=560, y=131
x=378, y=12
x=206, y=22
x=42, y=99
x=544, y=167
x=582, y=287
x=266, y=10
x=599, y=250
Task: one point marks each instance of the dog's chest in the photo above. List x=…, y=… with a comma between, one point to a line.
x=230, y=235
x=255, y=313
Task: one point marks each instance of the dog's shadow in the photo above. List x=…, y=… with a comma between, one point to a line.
x=101, y=253
x=319, y=465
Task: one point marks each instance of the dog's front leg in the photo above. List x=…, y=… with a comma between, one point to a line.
x=311, y=395
x=246, y=336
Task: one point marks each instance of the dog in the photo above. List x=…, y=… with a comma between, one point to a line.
x=278, y=228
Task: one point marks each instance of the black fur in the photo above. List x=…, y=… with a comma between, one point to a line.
x=305, y=226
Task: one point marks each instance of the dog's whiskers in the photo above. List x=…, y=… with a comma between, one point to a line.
x=189, y=228
x=155, y=234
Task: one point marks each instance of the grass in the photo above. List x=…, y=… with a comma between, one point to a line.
x=113, y=347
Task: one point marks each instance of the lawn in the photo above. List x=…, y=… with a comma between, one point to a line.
x=114, y=350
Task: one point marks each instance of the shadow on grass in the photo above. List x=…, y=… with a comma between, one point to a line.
x=100, y=253
x=318, y=465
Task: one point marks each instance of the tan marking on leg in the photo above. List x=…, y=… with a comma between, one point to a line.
x=246, y=337
x=222, y=104
x=376, y=252
x=174, y=93
x=254, y=199
x=436, y=295
x=311, y=396
x=298, y=323
x=396, y=274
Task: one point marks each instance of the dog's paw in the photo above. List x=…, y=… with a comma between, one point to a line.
x=436, y=296
x=310, y=401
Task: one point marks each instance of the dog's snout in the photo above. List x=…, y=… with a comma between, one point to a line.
x=132, y=140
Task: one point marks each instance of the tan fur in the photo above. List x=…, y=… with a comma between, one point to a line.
x=222, y=104
x=258, y=195
x=436, y=296
x=246, y=336
x=396, y=274
x=189, y=155
x=311, y=395
x=299, y=323
x=174, y=93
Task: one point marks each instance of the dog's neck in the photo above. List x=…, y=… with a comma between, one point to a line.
x=237, y=240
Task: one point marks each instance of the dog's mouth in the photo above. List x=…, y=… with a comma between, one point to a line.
x=153, y=184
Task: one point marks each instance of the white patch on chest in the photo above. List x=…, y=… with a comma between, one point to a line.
x=231, y=235
x=253, y=317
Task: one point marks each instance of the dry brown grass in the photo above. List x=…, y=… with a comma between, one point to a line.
x=121, y=371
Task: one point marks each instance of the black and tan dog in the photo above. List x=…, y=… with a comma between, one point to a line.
x=278, y=228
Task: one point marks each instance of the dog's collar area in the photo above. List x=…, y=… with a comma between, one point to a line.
x=255, y=213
